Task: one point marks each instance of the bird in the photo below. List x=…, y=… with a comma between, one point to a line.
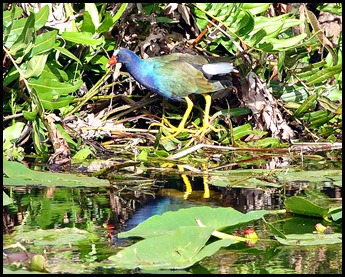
x=176, y=76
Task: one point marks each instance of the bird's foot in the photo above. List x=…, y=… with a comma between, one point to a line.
x=199, y=136
x=164, y=121
x=171, y=129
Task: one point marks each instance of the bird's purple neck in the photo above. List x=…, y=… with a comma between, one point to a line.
x=132, y=62
x=140, y=69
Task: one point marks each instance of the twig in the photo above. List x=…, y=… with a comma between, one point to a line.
x=295, y=147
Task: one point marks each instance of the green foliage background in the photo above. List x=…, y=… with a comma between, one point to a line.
x=58, y=68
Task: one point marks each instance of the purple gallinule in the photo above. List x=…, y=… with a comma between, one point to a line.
x=175, y=76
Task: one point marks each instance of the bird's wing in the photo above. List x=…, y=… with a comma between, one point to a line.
x=191, y=59
x=176, y=79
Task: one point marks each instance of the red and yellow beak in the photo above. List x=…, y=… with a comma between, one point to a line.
x=112, y=61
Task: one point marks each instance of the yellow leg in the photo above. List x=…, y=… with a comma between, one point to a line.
x=205, y=124
x=180, y=127
x=176, y=130
x=170, y=127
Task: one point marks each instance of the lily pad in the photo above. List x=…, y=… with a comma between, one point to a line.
x=58, y=237
x=300, y=205
x=17, y=174
x=179, y=249
x=310, y=239
x=218, y=218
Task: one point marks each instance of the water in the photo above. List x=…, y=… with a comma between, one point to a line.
x=105, y=212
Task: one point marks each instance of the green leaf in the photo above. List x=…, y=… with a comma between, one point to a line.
x=274, y=44
x=143, y=154
x=336, y=9
x=256, y=8
x=106, y=25
x=58, y=237
x=310, y=239
x=318, y=118
x=9, y=16
x=183, y=247
x=257, y=37
x=17, y=174
x=41, y=17
x=324, y=75
x=328, y=104
x=337, y=214
x=11, y=134
x=31, y=116
x=91, y=8
x=300, y=205
x=53, y=103
x=309, y=103
x=272, y=26
x=66, y=136
x=34, y=67
x=218, y=218
x=87, y=25
x=6, y=200
x=44, y=42
x=67, y=53
x=245, y=130
x=26, y=38
x=83, y=38
x=275, y=231
x=48, y=86
x=119, y=12
x=52, y=93
x=160, y=153
x=246, y=24
x=15, y=31
x=71, y=27
x=82, y=155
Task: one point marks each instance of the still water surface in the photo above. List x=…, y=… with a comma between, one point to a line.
x=107, y=211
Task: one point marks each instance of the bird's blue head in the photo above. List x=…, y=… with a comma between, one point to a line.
x=122, y=55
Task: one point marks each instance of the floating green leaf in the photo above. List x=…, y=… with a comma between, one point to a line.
x=17, y=174
x=182, y=248
x=300, y=205
x=58, y=237
x=310, y=239
x=218, y=218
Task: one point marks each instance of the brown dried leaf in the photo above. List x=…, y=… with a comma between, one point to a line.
x=92, y=127
x=264, y=107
